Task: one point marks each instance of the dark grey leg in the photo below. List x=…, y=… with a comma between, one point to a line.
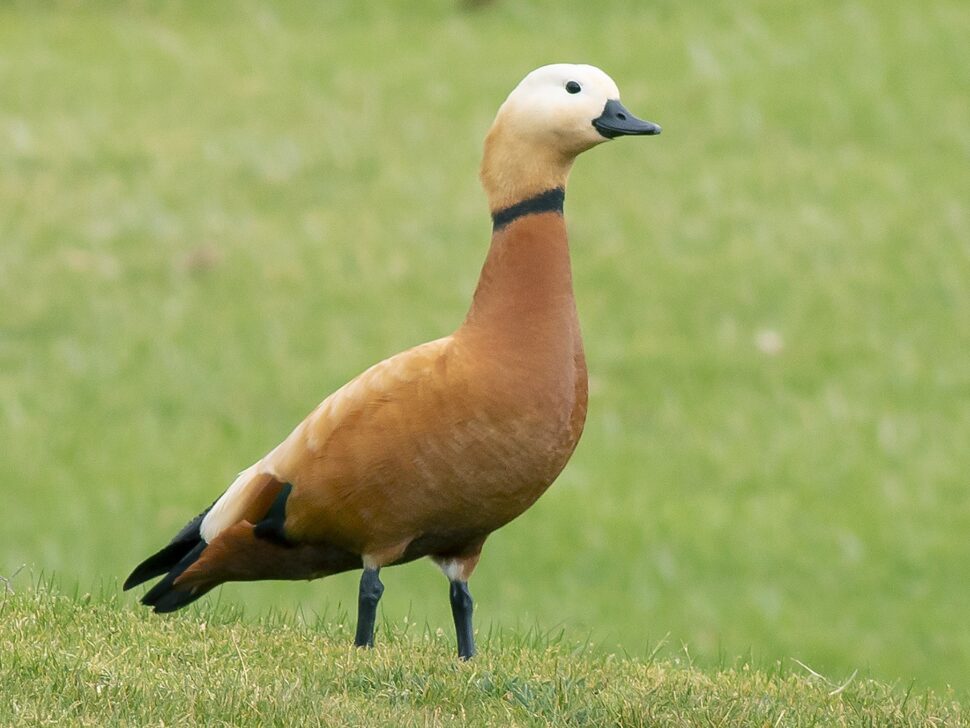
x=461, y=609
x=370, y=594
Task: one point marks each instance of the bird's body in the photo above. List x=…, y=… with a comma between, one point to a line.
x=429, y=451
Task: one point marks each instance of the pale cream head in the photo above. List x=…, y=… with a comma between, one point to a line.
x=554, y=114
x=555, y=106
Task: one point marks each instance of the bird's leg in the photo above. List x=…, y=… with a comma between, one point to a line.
x=461, y=610
x=367, y=599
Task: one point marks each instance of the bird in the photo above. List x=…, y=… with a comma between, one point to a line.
x=431, y=450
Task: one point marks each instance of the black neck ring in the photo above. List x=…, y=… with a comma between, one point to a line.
x=548, y=201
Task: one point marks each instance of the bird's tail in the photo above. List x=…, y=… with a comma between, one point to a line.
x=158, y=563
x=166, y=596
x=244, y=551
x=183, y=551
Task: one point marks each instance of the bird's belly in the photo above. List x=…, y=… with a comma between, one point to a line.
x=471, y=477
x=480, y=481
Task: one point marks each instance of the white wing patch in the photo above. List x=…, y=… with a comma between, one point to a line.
x=229, y=508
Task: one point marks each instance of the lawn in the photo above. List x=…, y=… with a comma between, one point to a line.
x=215, y=214
x=84, y=661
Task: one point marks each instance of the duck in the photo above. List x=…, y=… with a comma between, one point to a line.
x=429, y=451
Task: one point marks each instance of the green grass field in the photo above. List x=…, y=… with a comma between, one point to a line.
x=87, y=662
x=215, y=214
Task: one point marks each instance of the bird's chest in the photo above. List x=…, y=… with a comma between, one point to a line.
x=532, y=409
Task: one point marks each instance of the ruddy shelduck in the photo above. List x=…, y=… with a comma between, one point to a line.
x=429, y=451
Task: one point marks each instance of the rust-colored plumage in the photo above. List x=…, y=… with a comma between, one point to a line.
x=429, y=451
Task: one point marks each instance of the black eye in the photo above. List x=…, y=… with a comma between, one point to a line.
x=573, y=87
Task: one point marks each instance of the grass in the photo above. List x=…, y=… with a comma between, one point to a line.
x=85, y=661
x=213, y=215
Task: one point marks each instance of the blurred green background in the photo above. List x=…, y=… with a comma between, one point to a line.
x=213, y=214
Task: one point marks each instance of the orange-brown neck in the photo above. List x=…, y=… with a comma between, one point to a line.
x=525, y=292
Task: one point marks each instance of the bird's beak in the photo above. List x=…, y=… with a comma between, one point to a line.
x=617, y=121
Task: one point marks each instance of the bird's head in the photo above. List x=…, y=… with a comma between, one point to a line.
x=570, y=107
x=554, y=114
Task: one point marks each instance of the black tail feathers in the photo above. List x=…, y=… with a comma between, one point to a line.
x=186, y=548
x=172, y=560
x=164, y=597
x=160, y=563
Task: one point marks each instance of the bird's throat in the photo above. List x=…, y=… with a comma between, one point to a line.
x=516, y=169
